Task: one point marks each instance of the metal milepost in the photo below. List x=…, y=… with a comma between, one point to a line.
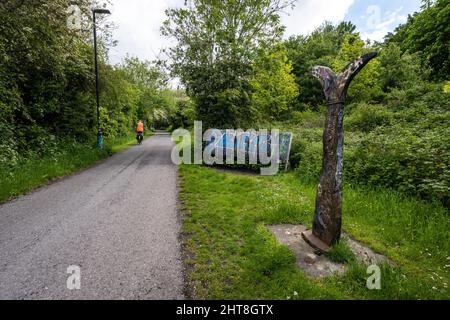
x=327, y=222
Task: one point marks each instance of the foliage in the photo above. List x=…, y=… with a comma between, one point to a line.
x=428, y=34
x=47, y=80
x=366, y=117
x=399, y=69
x=184, y=114
x=365, y=87
x=447, y=87
x=239, y=73
x=273, y=84
x=396, y=119
x=150, y=83
x=398, y=157
x=319, y=48
x=216, y=42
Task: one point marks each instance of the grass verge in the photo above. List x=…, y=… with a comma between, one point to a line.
x=231, y=255
x=31, y=173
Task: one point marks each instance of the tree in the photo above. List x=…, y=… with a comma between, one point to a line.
x=366, y=85
x=428, y=34
x=151, y=84
x=318, y=48
x=45, y=69
x=216, y=42
x=47, y=78
x=397, y=69
x=273, y=83
x=144, y=74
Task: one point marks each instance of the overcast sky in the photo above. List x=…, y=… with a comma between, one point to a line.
x=139, y=21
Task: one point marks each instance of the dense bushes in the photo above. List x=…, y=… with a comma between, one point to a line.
x=403, y=144
x=367, y=117
x=306, y=153
x=406, y=158
x=46, y=78
x=47, y=88
x=183, y=116
x=45, y=69
x=396, y=120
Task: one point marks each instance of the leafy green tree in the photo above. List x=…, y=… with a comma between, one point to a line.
x=45, y=71
x=47, y=79
x=273, y=83
x=216, y=43
x=144, y=74
x=150, y=82
x=428, y=34
x=119, y=99
x=318, y=48
x=365, y=87
x=398, y=69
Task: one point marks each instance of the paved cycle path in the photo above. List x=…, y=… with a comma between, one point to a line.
x=116, y=221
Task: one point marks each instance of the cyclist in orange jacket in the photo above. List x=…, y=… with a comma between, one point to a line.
x=140, y=132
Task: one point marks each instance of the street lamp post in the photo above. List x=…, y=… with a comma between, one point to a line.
x=97, y=75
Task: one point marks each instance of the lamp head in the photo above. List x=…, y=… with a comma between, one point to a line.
x=101, y=11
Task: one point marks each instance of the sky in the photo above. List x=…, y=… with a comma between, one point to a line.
x=138, y=22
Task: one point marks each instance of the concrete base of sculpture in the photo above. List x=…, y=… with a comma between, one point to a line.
x=312, y=261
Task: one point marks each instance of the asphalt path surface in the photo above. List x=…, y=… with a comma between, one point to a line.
x=117, y=222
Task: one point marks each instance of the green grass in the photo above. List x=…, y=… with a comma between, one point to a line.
x=341, y=253
x=37, y=171
x=231, y=255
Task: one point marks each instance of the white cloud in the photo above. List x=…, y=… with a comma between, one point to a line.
x=139, y=23
x=310, y=14
x=387, y=22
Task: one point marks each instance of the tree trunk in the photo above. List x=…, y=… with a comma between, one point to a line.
x=328, y=213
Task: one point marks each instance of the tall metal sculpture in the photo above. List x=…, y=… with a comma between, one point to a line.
x=328, y=213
